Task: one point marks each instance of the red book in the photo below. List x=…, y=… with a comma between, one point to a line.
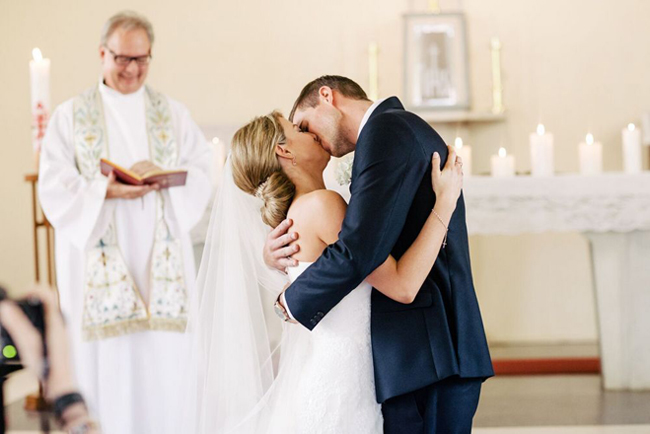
x=164, y=178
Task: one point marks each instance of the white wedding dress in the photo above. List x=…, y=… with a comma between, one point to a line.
x=325, y=383
x=324, y=380
x=336, y=392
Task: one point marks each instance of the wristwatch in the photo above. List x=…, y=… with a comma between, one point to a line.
x=280, y=310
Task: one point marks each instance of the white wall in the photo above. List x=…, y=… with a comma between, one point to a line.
x=579, y=65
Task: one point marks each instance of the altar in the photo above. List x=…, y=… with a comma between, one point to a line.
x=613, y=211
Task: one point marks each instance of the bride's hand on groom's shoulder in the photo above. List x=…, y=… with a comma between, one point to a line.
x=448, y=182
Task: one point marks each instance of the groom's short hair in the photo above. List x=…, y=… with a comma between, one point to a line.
x=309, y=95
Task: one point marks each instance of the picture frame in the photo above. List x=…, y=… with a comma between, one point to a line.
x=436, y=66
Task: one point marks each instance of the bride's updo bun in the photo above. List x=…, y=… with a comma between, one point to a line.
x=276, y=193
x=256, y=169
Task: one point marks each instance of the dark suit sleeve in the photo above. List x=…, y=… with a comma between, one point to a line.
x=391, y=165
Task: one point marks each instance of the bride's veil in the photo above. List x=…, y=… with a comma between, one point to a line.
x=230, y=367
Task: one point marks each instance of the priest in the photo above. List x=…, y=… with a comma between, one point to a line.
x=124, y=260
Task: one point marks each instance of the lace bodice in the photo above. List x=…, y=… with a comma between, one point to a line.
x=336, y=392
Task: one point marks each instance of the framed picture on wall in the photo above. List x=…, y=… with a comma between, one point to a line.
x=436, y=74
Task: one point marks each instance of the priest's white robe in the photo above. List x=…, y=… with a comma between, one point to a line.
x=131, y=382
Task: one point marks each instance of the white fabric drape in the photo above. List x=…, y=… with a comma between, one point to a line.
x=232, y=325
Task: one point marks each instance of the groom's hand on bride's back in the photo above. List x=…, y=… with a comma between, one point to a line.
x=277, y=251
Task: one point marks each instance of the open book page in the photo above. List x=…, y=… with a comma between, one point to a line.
x=164, y=178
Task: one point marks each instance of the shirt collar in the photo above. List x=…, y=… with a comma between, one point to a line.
x=110, y=92
x=368, y=114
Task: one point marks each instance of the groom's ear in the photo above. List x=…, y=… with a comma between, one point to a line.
x=326, y=94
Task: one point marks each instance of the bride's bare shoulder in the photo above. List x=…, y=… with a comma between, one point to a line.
x=321, y=200
x=319, y=204
x=317, y=217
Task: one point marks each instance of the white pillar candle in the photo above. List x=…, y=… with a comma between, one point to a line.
x=39, y=72
x=503, y=165
x=591, y=156
x=465, y=153
x=632, y=149
x=541, y=152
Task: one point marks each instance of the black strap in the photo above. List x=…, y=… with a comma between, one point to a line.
x=64, y=401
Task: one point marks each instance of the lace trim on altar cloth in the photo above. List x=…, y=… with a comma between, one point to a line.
x=571, y=203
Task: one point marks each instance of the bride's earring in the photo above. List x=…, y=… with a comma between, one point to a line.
x=294, y=161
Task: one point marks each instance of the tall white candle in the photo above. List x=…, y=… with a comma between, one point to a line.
x=39, y=72
x=465, y=153
x=632, y=149
x=541, y=152
x=503, y=165
x=591, y=156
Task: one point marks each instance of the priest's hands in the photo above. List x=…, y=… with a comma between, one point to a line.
x=117, y=190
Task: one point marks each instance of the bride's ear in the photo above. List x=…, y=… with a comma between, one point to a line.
x=283, y=152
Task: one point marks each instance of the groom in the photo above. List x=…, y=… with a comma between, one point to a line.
x=430, y=356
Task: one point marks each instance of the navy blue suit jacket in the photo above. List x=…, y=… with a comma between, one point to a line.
x=441, y=333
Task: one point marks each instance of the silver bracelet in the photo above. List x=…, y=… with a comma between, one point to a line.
x=444, y=240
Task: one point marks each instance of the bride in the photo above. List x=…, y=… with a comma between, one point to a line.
x=324, y=382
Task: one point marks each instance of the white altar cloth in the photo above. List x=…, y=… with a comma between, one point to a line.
x=612, y=202
x=613, y=211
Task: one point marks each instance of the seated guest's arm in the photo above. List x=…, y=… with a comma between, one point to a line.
x=59, y=385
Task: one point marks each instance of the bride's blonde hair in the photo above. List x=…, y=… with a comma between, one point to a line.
x=256, y=169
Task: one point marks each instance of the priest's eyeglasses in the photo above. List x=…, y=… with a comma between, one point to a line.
x=126, y=60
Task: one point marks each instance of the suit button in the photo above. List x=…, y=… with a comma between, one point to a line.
x=313, y=322
x=320, y=314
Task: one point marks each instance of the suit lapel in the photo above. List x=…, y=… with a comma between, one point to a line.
x=392, y=103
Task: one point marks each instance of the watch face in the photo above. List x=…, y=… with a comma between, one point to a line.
x=278, y=310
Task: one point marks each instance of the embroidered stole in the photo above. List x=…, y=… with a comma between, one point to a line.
x=113, y=305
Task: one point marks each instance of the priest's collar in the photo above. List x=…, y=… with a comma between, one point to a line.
x=110, y=92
